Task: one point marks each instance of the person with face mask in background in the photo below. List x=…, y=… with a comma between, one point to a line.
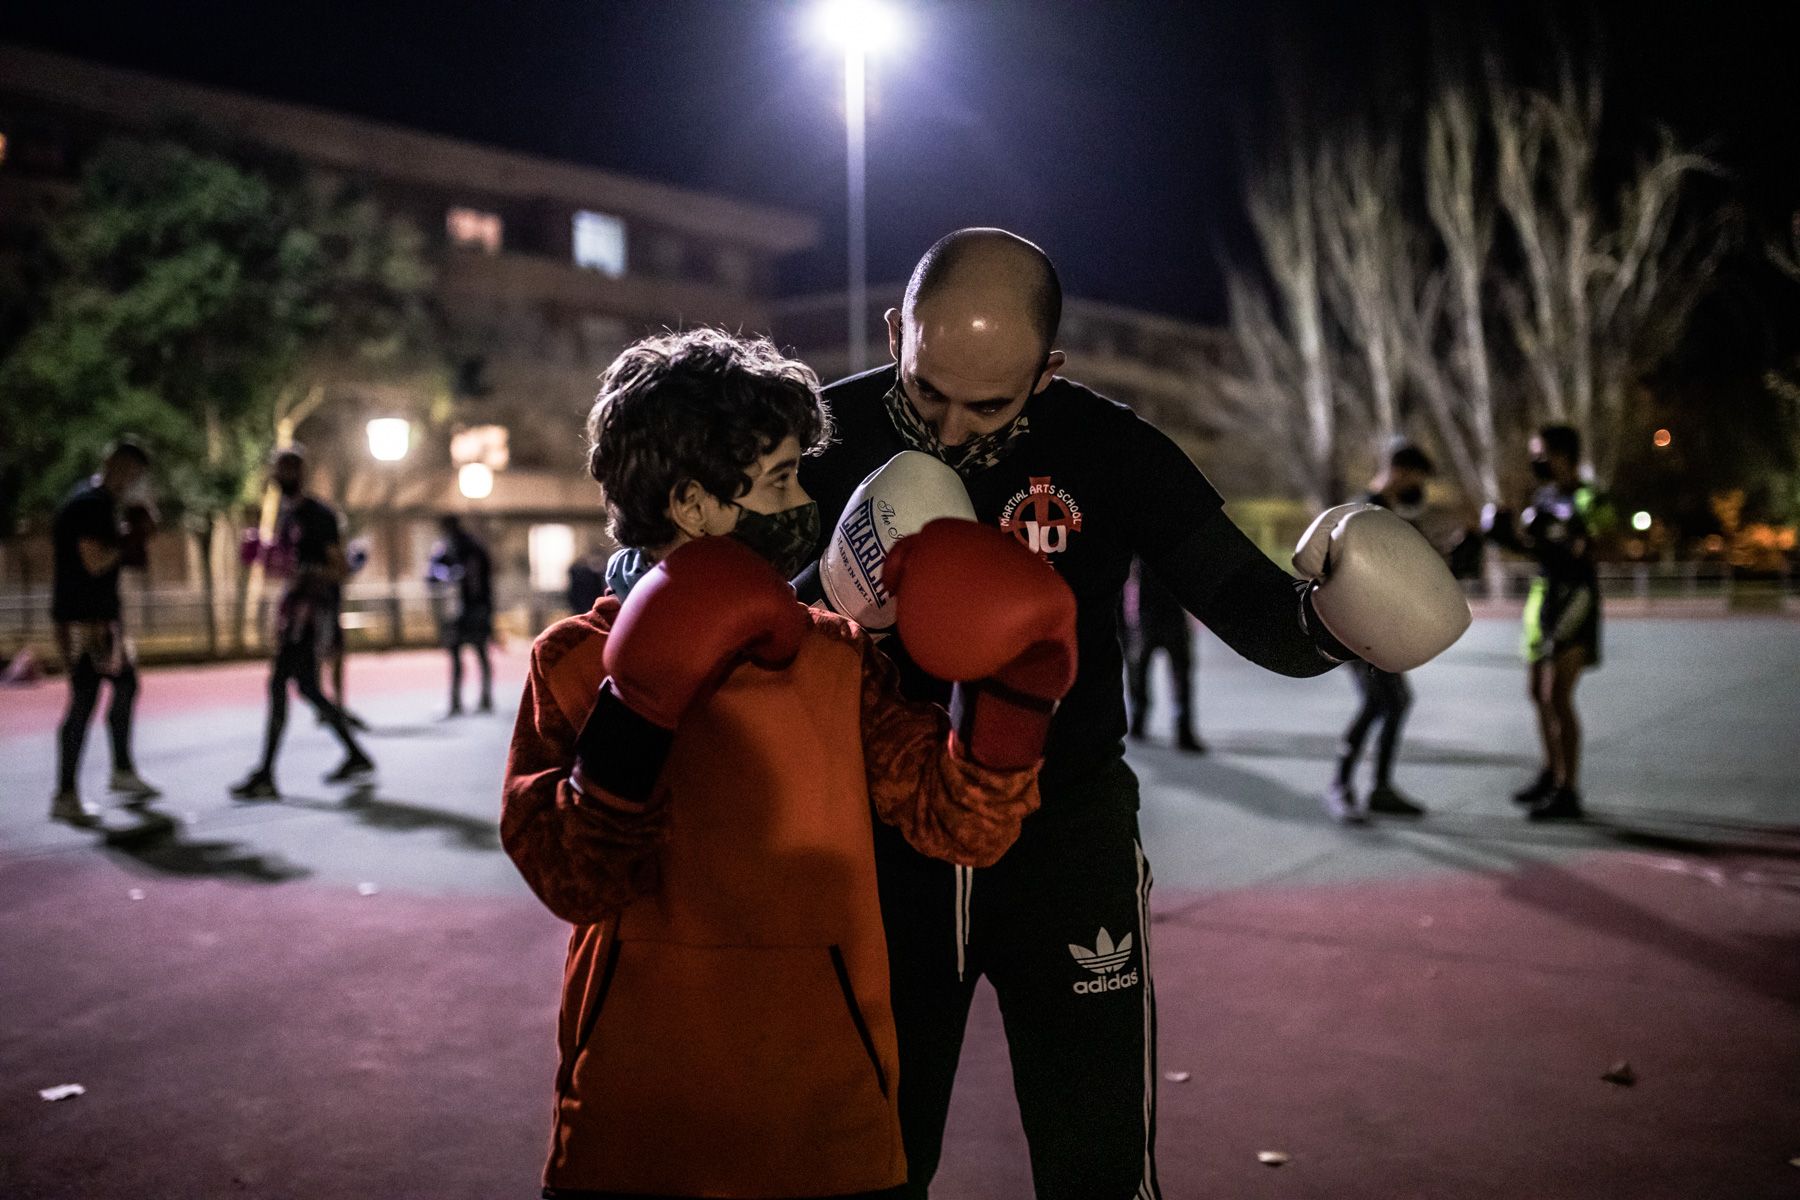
x=307, y=550
x=1386, y=696
x=1559, y=528
x=697, y=770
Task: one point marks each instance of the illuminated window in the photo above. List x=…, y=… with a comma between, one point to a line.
x=484, y=444
x=474, y=229
x=600, y=243
x=552, y=553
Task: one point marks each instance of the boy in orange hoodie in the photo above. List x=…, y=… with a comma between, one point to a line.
x=695, y=773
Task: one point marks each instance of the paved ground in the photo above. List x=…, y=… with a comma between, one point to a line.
x=1404, y=1011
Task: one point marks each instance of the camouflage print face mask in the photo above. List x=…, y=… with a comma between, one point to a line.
x=789, y=539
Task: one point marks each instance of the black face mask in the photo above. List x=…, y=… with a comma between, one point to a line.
x=1541, y=469
x=1410, y=497
x=788, y=539
x=289, y=487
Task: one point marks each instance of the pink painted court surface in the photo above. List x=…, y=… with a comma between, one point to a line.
x=1421, y=1010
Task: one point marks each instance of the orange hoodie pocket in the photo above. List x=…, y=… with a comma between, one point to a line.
x=715, y=1069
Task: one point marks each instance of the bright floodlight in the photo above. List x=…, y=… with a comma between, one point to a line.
x=389, y=438
x=859, y=26
x=1640, y=520
x=475, y=480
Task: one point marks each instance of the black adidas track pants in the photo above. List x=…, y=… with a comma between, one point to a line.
x=1060, y=927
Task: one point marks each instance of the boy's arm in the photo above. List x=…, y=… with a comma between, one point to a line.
x=943, y=804
x=586, y=852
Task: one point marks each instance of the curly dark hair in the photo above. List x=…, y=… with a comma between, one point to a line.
x=701, y=405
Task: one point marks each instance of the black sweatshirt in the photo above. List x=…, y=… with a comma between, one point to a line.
x=1089, y=486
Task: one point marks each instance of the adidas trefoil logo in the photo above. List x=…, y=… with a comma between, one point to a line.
x=1107, y=961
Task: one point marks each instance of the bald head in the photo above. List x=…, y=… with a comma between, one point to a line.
x=992, y=276
x=973, y=338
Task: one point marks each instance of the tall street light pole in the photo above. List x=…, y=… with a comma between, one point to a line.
x=857, y=301
x=859, y=26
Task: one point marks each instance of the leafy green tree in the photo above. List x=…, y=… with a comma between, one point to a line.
x=193, y=292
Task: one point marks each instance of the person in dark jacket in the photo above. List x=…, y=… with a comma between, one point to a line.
x=461, y=564
x=1155, y=621
x=95, y=534
x=1386, y=696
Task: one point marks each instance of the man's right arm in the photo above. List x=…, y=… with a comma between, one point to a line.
x=1218, y=573
x=1252, y=605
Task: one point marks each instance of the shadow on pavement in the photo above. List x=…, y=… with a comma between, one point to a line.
x=157, y=841
x=471, y=833
x=1769, y=968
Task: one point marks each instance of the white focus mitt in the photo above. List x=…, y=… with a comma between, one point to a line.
x=897, y=499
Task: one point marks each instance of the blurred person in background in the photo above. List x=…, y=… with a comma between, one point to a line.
x=356, y=557
x=307, y=549
x=103, y=525
x=1559, y=529
x=1386, y=696
x=587, y=582
x=461, y=563
x=1155, y=620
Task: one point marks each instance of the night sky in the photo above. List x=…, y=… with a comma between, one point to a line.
x=1112, y=132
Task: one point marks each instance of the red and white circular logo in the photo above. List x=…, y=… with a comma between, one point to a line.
x=1042, y=517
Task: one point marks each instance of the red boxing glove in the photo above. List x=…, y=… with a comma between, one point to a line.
x=701, y=611
x=980, y=610
x=688, y=622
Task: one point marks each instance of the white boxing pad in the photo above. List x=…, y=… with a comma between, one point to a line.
x=897, y=499
x=1383, y=591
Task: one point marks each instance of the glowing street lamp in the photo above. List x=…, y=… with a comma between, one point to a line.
x=1640, y=520
x=389, y=438
x=859, y=27
x=475, y=480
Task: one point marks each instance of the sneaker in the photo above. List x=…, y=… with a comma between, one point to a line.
x=357, y=766
x=70, y=808
x=1563, y=804
x=1189, y=743
x=258, y=785
x=133, y=785
x=1537, y=792
x=1341, y=806
x=1390, y=803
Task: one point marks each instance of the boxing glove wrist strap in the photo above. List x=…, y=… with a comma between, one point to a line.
x=1323, y=639
x=1000, y=728
x=620, y=751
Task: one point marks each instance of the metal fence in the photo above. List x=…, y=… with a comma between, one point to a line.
x=170, y=623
